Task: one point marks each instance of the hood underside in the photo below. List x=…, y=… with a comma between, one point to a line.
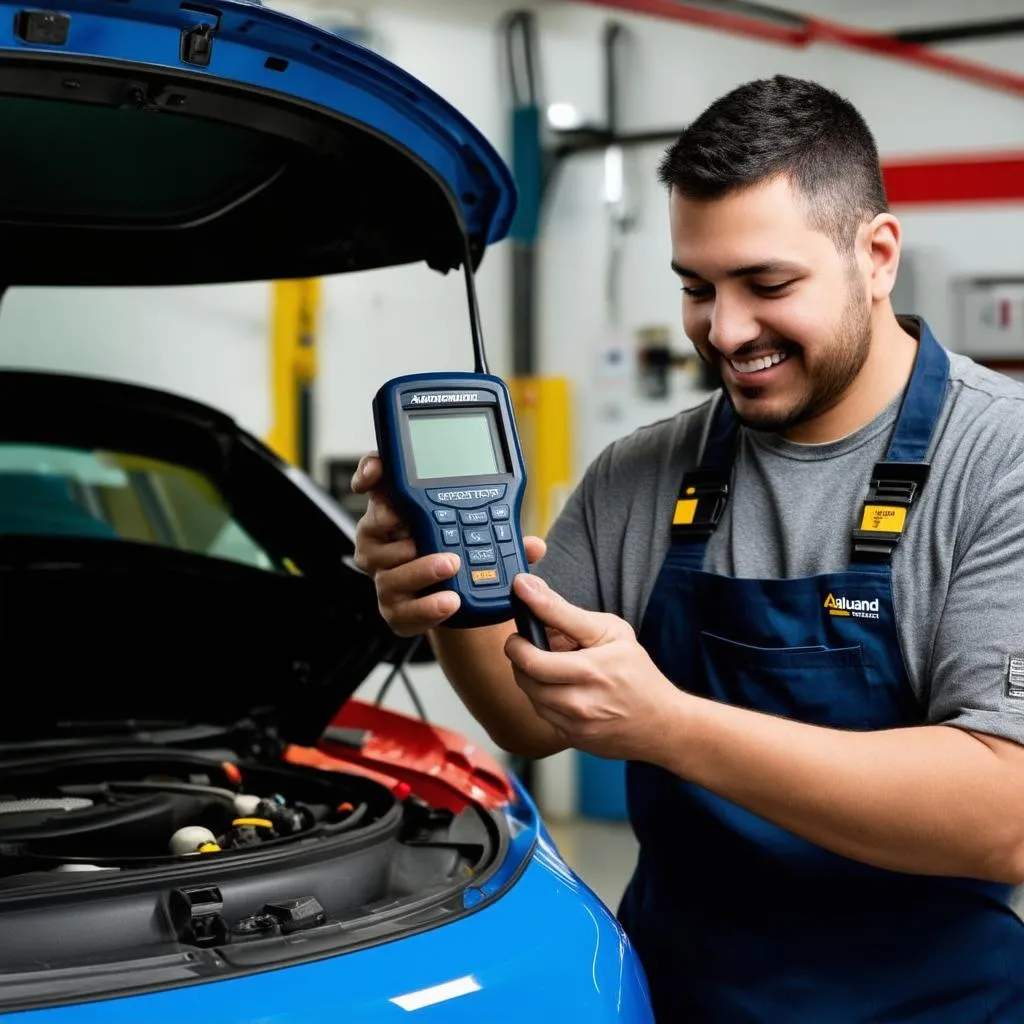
x=179, y=143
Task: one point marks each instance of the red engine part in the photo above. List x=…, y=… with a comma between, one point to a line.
x=410, y=756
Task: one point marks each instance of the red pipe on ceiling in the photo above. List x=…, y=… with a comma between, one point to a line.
x=816, y=30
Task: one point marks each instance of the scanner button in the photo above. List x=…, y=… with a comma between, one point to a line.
x=473, y=518
x=499, y=512
x=476, y=536
x=444, y=515
x=502, y=531
x=512, y=568
x=481, y=556
x=484, y=577
x=450, y=535
x=507, y=549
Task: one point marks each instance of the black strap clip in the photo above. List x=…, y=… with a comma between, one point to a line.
x=894, y=487
x=702, y=498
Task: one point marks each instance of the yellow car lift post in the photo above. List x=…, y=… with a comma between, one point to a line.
x=293, y=369
x=543, y=423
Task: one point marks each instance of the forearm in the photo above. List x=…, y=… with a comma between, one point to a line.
x=474, y=662
x=926, y=800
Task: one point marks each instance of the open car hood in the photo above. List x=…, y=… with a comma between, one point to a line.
x=176, y=142
x=162, y=567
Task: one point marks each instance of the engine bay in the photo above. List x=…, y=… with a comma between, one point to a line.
x=95, y=814
x=138, y=854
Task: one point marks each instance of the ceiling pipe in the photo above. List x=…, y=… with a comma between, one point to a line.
x=807, y=31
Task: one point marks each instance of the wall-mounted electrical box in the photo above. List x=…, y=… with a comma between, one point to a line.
x=990, y=320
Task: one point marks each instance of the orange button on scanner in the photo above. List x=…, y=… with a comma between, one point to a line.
x=482, y=577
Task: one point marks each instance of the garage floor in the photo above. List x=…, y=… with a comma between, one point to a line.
x=602, y=853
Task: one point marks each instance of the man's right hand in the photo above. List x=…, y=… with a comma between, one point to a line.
x=386, y=551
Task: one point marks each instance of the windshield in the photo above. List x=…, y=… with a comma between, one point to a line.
x=56, y=491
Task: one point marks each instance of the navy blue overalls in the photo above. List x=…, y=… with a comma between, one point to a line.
x=736, y=919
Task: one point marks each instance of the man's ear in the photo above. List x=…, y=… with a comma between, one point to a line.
x=880, y=252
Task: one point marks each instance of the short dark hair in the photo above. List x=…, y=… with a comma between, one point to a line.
x=783, y=126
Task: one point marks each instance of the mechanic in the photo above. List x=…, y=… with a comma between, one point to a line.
x=822, y=726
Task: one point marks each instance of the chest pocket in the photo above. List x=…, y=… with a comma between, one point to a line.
x=817, y=685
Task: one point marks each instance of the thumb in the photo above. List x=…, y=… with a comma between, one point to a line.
x=586, y=628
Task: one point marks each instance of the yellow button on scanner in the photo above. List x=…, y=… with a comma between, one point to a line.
x=481, y=577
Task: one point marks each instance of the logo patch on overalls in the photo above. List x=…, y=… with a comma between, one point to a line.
x=1015, y=678
x=845, y=607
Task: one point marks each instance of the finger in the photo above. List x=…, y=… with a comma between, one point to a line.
x=558, y=641
x=535, y=548
x=374, y=557
x=586, y=628
x=368, y=474
x=417, y=615
x=551, y=667
x=405, y=582
x=383, y=522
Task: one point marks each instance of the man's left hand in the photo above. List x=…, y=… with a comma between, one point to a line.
x=597, y=686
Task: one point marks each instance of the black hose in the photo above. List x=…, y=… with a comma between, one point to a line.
x=350, y=822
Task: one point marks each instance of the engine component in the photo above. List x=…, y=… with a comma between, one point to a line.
x=72, y=867
x=258, y=926
x=286, y=820
x=32, y=805
x=246, y=804
x=193, y=839
x=196, y=914
x=297, y=915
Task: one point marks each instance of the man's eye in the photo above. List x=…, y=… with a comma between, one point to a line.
x=772, y=289
x=698, y=292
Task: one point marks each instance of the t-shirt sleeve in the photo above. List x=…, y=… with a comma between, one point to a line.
x=977, y=678
x=569, y=566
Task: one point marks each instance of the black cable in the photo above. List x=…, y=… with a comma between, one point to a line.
x=413, y=695
x=399, y=671
x=475, y=327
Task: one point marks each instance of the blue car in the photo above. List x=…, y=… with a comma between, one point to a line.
x=198, y=822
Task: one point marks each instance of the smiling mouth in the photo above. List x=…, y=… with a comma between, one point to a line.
x=760, y=363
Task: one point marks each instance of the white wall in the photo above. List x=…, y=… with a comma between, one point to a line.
x=208, y=343
x=212, y=343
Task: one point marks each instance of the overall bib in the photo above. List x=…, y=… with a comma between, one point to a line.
x=736, y=919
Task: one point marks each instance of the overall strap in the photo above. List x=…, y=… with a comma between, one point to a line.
x=704, y=491
x=897, y=481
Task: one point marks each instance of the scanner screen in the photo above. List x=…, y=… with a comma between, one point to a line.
x=450, y=445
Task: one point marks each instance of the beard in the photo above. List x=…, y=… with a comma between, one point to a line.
x=836, y=366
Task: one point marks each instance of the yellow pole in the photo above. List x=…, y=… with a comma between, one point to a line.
x=293, y=365
x=543, y=422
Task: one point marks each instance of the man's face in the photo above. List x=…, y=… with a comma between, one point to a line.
x=770, y=303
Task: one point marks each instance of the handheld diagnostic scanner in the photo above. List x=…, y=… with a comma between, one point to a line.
x=454, y=472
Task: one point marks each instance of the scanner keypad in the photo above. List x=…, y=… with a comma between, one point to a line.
x=479, y=530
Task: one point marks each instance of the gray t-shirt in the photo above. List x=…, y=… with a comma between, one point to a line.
x=958, y=572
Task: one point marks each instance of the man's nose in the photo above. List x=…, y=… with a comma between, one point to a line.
x=732, y=324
